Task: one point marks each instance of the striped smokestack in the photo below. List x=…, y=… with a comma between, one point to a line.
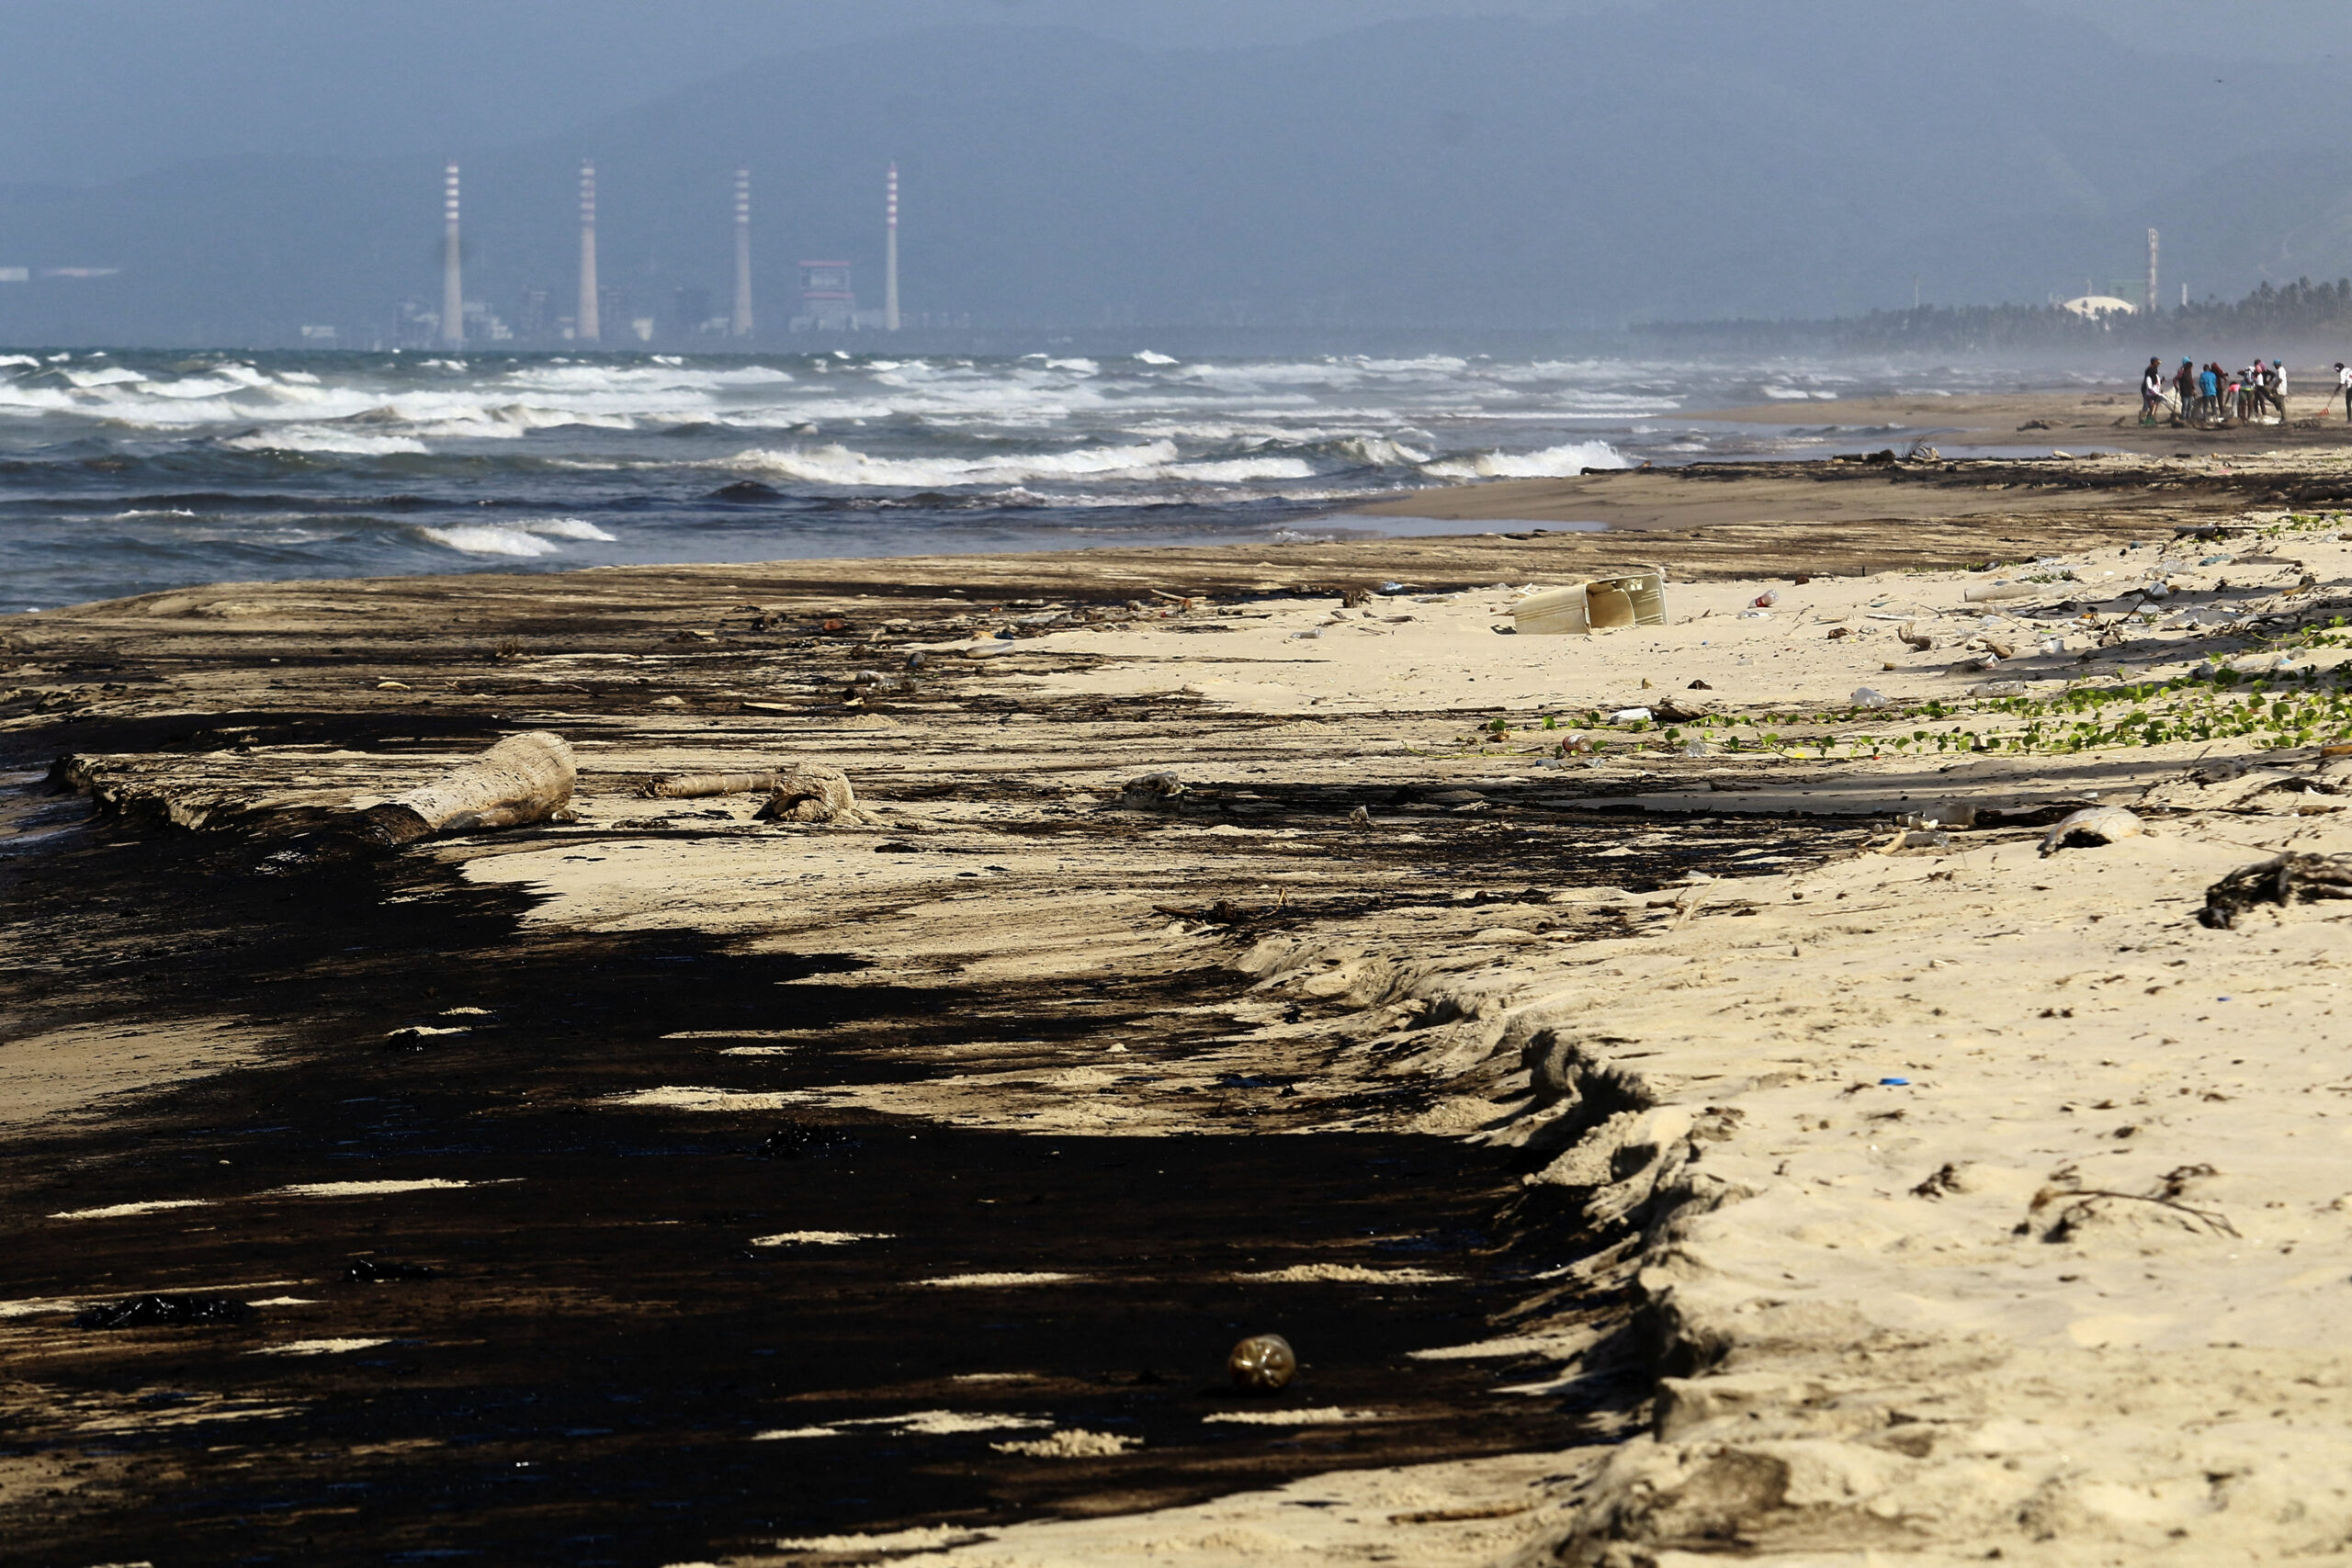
x=585, y=326
x=740, y=325
x=453, y=279
x=890, y=259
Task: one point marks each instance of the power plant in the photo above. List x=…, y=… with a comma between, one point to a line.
x=827, y=300
x=453, y=279
x=585, y=324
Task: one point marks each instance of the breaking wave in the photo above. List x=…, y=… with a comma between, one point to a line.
x=1556, y=462
x=129, y=471
x=324, y=439
x=846, y=466
x=523, y=540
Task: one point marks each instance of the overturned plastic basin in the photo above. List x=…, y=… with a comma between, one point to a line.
x=1635, y=598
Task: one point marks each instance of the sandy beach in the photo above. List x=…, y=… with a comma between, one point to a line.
x=1805, y=1082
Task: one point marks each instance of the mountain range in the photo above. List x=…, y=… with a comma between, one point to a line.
x=1709, y=159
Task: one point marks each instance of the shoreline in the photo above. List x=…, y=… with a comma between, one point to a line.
x=1837, y=1194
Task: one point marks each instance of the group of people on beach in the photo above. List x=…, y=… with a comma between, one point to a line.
x=2211, y=397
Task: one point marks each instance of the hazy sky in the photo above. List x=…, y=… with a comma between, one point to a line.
x=99, y=89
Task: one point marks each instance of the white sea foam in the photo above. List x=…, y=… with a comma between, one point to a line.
x=1555, y=462
x=1240, y=470
x=327, y=439
x=1381, y=452
x=847, y=466
x=519, y=539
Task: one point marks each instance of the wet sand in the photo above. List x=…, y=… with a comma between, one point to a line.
x=1645, y=1150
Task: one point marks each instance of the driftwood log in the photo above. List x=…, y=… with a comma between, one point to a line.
x=524, y=778
x=702, y=786
x=807, y=793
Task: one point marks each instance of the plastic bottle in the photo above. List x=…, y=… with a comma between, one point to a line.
x=1262, y=1363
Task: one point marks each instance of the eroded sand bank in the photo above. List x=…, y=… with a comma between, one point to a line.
x=1891, y=1188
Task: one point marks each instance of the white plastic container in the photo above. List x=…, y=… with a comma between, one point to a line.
x=1635, y=598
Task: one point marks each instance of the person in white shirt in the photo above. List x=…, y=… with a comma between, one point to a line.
x=2343, y=385
x=2276, y=388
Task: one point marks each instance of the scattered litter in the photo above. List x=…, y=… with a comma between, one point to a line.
x=988, y=1281
x=1072, y=1444
x=1915, y=838
x=1998, y=689
x=819, y=1238
x=1914, y=638
x=2285, y=880
x=1947, y=814
x=2093, y=825
x=384, y=1271
x=1894, y=1083
x=1309, y=632
x=1765, y=600
x=1324, y=1415
x=164, y=1311
x=318, y=1346
x=1629, y=715
x=1992, y=592
x=1868, y=698
x=1262, y=1363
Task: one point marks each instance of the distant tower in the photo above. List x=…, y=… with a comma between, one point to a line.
x=890, y=259
x=741, y=325
x=453, y=281
x=585, y=324
x=2152, y=272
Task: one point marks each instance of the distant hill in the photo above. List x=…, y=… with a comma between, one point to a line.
x=1720, y=158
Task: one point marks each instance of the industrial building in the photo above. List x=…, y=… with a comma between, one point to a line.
x=826, y=300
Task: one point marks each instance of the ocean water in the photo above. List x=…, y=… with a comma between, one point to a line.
x=123, y=473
